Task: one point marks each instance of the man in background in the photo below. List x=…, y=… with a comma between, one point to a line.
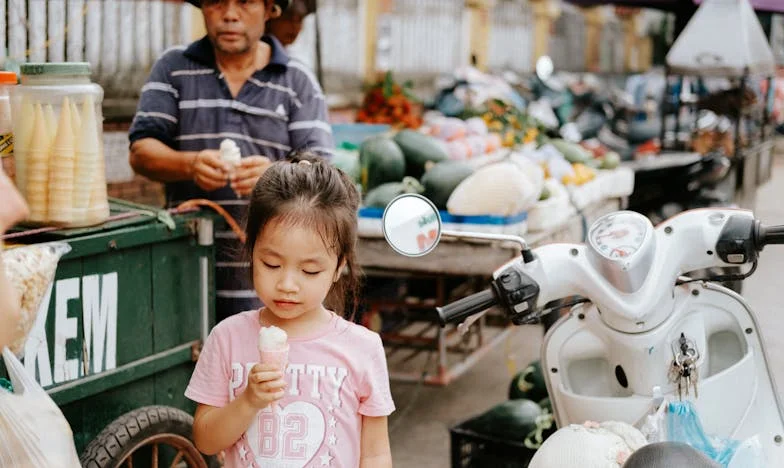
x=236, y=83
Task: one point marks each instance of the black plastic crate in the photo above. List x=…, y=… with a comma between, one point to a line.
x=471, y=449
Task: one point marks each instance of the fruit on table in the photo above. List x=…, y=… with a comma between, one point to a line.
x=610, y=160
x=500, y=188
x=380, y=196
x=419, y=149
x=573, y=152
x=441, y=180
x=582, y=174
x=347, y=161
x=380, y=161
x=388, y=102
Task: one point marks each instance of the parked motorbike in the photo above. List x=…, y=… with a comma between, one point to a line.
x=642, y=331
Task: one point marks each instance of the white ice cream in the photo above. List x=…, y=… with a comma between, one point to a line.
x=272, y=339
x=230, y=152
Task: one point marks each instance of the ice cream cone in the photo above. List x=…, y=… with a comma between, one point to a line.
x=23, y=131
x=90, y=148
x=76, y=120
x=51, y=121
x=88, y=162
x=273, y=346
x=38, y=167
x=98, y=211
x=279, y=357
x=61, y=171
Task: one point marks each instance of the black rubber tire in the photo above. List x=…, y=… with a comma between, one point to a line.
x=125, y=433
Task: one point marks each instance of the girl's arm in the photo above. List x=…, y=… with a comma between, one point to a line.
x=374, y=449
x=216, y=429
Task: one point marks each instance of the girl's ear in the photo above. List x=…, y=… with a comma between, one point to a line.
x=339, y=271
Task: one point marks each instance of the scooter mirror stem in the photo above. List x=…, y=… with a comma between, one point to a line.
x=525, y=251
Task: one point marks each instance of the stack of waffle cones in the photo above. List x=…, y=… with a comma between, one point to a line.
x=63, y=170
x=36, y=173
x=91, y=200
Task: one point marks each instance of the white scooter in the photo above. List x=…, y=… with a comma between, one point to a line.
x=643, y=332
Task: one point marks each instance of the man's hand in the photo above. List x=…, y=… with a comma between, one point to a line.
x=247, y=173
x=210, y=172
x=265, y=386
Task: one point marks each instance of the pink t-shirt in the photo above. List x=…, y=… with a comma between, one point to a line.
x=334, y=377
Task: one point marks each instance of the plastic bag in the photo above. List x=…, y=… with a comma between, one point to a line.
x=749, y=454
x=30, y=270
x=683, y=425
x=33, y=430
x=655, y=426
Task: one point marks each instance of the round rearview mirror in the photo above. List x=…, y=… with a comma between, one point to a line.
x=411, y=225
x=544, y=67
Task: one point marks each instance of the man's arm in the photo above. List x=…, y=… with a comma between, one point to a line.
x=309, y=127
x=153, y=159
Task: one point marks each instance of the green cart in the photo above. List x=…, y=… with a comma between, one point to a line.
x=129, y=309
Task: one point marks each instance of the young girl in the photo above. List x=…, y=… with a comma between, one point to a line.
x=329, y=405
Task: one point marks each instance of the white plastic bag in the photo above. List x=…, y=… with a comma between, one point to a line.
x=749, y=454
x=30, y=270
x=33, y=430
x=655, y=426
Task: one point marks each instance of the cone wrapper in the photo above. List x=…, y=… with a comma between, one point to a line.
x=278, y=357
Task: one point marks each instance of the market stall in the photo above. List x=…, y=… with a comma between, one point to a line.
x=489, y=164
x=743, y=57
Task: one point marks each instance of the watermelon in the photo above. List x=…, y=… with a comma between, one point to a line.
x=380, y=161
x=380, y=196
x=418, y=149
x=529, y=383
x=347, y=161
x=512, y=420
x=441, y=179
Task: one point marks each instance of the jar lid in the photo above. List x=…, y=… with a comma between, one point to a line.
x=56, y=68
x=8, y=77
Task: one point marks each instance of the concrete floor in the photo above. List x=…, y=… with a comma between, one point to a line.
x=419, y=429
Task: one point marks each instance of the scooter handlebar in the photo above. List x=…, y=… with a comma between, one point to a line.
x=769, y=235
x=467, y=306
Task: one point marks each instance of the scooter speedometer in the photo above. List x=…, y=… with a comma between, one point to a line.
x=622, y=247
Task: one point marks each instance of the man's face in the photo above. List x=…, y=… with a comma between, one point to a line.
x=234, y=26
x=287, y=27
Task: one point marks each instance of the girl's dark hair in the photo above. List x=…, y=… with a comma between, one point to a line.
x=318, y=195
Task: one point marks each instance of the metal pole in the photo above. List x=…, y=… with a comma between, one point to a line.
x=664, y=106
x=206, y=239
x=319, y=69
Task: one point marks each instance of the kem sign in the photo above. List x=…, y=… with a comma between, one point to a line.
x=98, y=297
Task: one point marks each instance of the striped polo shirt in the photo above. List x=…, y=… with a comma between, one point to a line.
x=186, y=104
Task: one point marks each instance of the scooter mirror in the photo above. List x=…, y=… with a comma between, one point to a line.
x=544, y=67
x=411, y=225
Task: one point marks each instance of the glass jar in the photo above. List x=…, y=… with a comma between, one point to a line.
x=7, y=80
x=58, y=144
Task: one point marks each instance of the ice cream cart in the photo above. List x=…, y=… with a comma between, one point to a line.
x=120, y=329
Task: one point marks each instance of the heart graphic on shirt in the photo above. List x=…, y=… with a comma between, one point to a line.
x=287, y=437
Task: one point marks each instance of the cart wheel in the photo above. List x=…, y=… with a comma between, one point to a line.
x=158, y=436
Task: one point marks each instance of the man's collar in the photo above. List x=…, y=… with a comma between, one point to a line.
x=203, y=52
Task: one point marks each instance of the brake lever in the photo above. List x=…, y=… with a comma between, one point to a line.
x=465, y=325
